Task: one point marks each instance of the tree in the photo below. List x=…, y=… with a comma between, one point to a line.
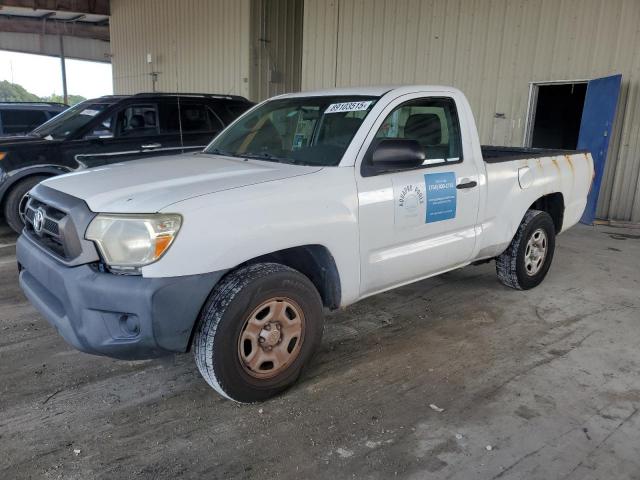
x=72, y=99
x=12, y=92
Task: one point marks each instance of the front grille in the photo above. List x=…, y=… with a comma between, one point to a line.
x=50, y=225
x=61, y=220
x=46, y=230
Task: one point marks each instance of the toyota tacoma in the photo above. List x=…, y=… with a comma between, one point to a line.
x=309, y=201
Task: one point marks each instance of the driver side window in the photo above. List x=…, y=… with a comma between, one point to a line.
x=432, y=122
x=103, y=130
x=137, y=121
x=132, y=121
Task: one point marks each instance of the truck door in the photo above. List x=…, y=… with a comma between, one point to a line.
x=417, y=222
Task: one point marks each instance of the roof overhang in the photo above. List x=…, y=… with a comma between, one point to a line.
x=75, y=18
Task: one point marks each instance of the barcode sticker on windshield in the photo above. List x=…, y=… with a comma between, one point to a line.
x=347, y=107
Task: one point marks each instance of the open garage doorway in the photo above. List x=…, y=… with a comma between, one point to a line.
x=575, y=115
x=555, y=114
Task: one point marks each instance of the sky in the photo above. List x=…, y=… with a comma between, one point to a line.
x=42, y=75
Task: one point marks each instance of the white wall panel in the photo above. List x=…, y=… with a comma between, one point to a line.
x=319, y=43
x=196, y=45
x=490, y=49
x=276, y=36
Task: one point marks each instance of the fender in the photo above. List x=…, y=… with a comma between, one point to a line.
x=551, y=203
x=8, y=179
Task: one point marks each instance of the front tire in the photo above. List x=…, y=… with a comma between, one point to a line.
x=525, y=263
x=257, y=330
x=14, y=199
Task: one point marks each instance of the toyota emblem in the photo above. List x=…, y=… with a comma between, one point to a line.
x=38, y=221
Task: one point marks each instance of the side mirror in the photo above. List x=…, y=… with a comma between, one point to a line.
x=397, y=154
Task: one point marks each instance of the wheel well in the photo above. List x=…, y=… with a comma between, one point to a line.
x=313, y=261
x=316, y=263
x=17, y=182
x=553, y=204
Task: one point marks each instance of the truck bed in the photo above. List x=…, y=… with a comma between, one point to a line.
x=494, y=154
x=517, y=178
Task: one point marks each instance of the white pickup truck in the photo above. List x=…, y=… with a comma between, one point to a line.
x=308, y=201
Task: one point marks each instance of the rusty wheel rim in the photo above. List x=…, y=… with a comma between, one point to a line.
x=271, y=338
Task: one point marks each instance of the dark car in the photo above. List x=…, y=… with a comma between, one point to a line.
x=106, y=130
x=19, y=118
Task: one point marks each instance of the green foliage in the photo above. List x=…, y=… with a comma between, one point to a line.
x=72, y=99
x=12, y=92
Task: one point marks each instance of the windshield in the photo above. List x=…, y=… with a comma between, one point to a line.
x=69, y=121
x=305, y=131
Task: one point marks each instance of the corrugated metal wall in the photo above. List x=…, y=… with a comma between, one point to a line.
x=276, y=32
x=196, y=45
x=490, y=49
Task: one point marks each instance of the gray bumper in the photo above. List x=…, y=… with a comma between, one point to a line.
x=128, y=317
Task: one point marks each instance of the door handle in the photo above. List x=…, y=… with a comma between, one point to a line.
x=466, y=183
x=150, y=146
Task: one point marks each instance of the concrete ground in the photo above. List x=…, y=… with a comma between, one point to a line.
x=541, y=384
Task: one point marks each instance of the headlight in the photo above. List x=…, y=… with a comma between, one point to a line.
x=128, y=242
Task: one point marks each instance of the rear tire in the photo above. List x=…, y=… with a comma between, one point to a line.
x=257, y=330
x=525, y=263
x=14, y=198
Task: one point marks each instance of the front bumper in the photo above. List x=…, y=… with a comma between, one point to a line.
x=127, y=317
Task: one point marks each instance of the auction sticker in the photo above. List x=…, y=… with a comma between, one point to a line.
x=441, y=196
x=348, y=107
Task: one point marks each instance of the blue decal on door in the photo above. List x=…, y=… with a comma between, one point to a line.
x=441, y=196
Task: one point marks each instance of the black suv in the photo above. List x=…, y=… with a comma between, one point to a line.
x=108, y=130
x=19, y=118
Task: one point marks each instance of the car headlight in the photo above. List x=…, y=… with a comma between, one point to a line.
x=128, y=242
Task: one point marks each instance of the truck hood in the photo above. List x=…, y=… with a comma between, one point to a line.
x=149, y=185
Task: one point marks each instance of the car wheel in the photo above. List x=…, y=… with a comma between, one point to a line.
x=525, y=263
x=14, y=199
x=257, y=330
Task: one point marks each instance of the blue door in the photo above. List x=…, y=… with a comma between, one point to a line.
x=595, y=131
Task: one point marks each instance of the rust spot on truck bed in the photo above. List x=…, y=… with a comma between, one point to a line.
x=568, y=157
x=539, y=164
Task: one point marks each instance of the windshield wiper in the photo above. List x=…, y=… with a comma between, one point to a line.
x=217, y=151
x=268, y=157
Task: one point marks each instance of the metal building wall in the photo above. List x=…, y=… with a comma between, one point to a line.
x=276, y=54
x=490, y=49
x=196, y=45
